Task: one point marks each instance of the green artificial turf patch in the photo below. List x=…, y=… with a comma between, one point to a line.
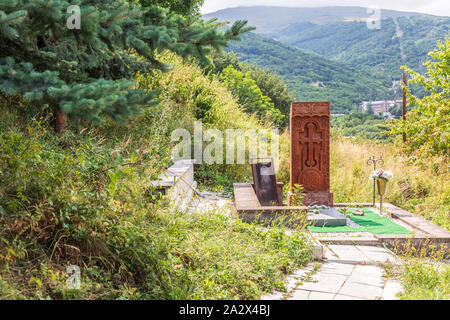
x=369, y=222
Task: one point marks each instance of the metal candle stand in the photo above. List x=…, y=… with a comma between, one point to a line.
x=374, y=161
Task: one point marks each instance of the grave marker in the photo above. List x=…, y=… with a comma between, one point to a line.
x=310, y=151
x=265, y=182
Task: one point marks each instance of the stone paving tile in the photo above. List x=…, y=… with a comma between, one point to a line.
x=348, y=272
x=337, y=268
x=391, y=289
x=303, y=272
x=314, y=295
x=291, y=283
x=353, y=274
x=325, y=283
x=342, y=297
x=299, y=295
x=272, y=296
x=348, y=275
x=369, y=275
x=345, y=253
x=378, y=254
x=361, y=291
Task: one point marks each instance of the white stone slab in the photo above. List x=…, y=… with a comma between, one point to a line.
x=362, y=291
x=378, y=254
x=337, y=268
x=369, y=275
x=299, y=295
x=272, y=296
x=342, y=297
x=325, y=283
x=391, y=289
x=345, y=253
x=314, y=295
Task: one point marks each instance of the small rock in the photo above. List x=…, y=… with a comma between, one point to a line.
x=358, y=212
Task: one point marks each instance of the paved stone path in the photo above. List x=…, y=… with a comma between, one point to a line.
x=347, y=273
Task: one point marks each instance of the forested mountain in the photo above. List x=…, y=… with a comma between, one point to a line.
x=340, y=58
x=269, y=19
x=399, y=41
x=312, y=77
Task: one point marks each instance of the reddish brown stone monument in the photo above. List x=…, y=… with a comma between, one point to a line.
x=310, y=151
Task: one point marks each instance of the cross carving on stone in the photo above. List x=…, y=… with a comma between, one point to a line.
x=312, y=139
x=310, y=151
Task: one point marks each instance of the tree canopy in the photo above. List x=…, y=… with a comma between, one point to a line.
x=184, y=7
x=249, y=95
x=85, y=73
x=427, y=125
x=269, y=82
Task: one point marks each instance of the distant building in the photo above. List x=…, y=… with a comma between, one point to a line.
x=335, y=115
x=379, y=107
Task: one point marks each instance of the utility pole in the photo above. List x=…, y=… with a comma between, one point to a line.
x=404, y=104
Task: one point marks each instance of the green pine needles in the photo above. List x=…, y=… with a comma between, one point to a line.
x=86, y=72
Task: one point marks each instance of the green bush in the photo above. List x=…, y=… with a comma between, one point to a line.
x=82, y=198
x=197, y=96
x=249, y=95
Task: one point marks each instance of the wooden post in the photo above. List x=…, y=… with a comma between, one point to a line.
x=404, y=104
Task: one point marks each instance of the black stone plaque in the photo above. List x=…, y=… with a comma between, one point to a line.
x=265, y=182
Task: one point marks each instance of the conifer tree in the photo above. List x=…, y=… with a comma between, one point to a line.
x=86, y=73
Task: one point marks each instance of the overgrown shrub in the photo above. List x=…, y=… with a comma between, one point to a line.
x=82, y=198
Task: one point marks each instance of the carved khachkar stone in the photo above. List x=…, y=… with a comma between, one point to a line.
x=310, y=151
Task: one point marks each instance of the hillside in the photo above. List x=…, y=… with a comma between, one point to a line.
x=269, y=19
x=312, y=77
x=399, y=41
x=341, y=34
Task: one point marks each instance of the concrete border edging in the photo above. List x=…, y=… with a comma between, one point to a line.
x=177, y=183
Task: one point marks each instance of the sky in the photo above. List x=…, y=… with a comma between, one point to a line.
x=436, y=7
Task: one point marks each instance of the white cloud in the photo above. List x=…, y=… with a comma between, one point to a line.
x=436, y=7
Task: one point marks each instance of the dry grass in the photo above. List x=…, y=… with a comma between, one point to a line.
x=422, y=189
x=423, y=274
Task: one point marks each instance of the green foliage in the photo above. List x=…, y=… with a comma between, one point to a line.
x=83, y=199
x=399, y=41
x=428, y=123
x=269, y=82
x=186, y=88
x=273, y=86
x=249, y=94
x=397, y=111
x=375, y=55
x=311, y=77
x=223, y=59
x=423, y=273
x=361, y=124
x=86, y=73
x=425, y=281
x=184, y=7
x=297, y=195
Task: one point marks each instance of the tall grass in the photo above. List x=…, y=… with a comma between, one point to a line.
x=423, y=274
x=421, y=188
x=83, y=198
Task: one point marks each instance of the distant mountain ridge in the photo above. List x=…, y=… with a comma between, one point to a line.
x=270, y=19
x=312, y=77
x=330, y=52
x=399, y=41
